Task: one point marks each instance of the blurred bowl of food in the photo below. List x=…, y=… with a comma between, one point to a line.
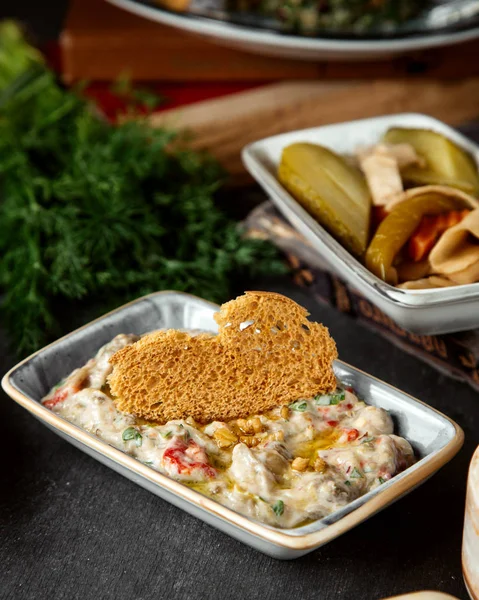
x=308, y=30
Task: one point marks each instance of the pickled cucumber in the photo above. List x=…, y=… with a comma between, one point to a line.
x=446, y=162
x=415, y=176
x=331, y=190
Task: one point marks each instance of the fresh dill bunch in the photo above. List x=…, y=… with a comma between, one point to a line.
x=101, y=214
x=16, y=55
x=136, y=96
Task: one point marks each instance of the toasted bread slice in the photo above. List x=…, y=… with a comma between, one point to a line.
x=266, y=354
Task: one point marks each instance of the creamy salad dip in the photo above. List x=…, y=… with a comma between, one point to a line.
x=291, y=465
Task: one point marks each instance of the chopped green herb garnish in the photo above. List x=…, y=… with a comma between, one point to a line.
x=166, y=434
x=132, y=434
x=278, y=508
x=366, y=440
x=330, y=399
x=299, y=406
x=356, y=474
x=338, y=397
x=381, y=480
x=129, y=434
x=148, y=462
x=348, y=483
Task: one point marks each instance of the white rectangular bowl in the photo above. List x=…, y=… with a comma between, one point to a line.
x=435, y=438
x=435, y=311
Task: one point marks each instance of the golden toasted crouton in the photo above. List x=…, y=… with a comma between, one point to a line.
x=266, y=354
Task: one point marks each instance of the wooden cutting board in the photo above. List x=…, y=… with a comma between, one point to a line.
x=100, y=41
x=224, y=125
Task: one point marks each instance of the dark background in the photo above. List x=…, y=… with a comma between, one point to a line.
x=71, y=528
x=44, y=19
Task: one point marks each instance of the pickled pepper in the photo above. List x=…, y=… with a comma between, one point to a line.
x=429, y=230
x=396, y=229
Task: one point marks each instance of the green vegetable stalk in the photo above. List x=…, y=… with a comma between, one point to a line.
x=100, y=213
x=16, y=55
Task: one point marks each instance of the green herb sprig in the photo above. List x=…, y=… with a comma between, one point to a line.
x=330, y=399
x=299, y=406
x=132, y=434
x=356, y=474
x=278, y=508
x=101, y=214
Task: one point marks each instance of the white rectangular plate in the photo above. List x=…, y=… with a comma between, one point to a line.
x=435, y=438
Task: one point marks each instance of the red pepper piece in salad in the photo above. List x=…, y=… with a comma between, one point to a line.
x=58, y=397
x=184, y=457
x=352, y=434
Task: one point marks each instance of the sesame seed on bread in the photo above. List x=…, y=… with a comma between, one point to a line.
x=267, y=353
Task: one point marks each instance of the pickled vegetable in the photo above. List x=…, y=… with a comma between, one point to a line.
x=398, y=227
x=331, y=190
x=430, y=229
x=441, y=190
x=446, y=162
x=415, y=176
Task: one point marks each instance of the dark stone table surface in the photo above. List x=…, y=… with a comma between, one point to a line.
x=73, y=529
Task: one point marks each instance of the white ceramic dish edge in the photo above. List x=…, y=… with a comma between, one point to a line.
x=279, y=543
x=441, y=310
